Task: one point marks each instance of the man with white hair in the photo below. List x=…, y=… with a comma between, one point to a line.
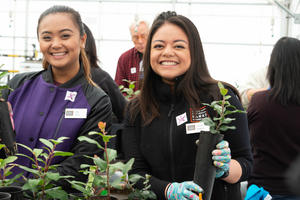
x=130, y=62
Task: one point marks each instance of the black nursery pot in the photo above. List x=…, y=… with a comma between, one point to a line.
x=205, y=171
x=4, y=196
x=7, y=133
x=16, y=192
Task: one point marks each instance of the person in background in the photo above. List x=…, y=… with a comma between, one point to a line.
x=102, y=78
x=60, y=100
x=176, y=83
x=273, y=117
x=256, y=82
x=130, y=62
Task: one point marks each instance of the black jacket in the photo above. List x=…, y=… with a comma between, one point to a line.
x=164, y=150
x=104, y=80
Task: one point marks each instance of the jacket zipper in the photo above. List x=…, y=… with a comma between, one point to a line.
x=171, y=116
x=58, y=125
x=226, y=191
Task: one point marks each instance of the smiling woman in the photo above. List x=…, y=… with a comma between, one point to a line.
x=61, y=100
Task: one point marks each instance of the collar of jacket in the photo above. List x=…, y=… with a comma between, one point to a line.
x=163, y=91
x=76, y=80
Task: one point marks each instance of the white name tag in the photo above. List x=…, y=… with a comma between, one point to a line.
x=133, y=70
x=76, y=113
x=196, y=127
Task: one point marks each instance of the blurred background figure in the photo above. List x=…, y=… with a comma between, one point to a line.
x=102, y=78
x=256, y=82
x=274, y=120
x=130, y=62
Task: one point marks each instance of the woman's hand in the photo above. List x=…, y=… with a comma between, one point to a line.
x=221, y=158
x=187, y=190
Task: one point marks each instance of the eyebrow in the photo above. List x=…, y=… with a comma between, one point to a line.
x=63, y=30
x=174, y=41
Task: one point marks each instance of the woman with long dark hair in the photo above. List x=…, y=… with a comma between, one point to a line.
x=274, y=120
x=176, y=83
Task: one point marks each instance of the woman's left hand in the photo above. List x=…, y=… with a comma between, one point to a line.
x=221, y=158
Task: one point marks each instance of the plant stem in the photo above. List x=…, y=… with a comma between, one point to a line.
x=221, y=116
x=107, y=170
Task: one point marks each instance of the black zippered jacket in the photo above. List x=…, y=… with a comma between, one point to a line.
x=165, y=151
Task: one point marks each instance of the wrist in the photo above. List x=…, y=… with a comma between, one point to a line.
x=166, y=190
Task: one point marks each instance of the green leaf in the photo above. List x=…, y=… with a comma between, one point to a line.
x=128, y=166
x=100, y=163
x=32, y=185
x=112, y=154
x=9, y=159
x=225, y=128
x=57, y=193
x=63, y=153
x=24, y=146
x=20, y=154
x=59, y=140
x=89, y=140
x=37, y=152
x=33, y=171
x=133, y=178
x=223, y=91
x=47, y=143
x=55, y=176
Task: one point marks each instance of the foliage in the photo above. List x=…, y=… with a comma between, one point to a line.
x=107, y=173
x=141, y=194
x=223, y=109
x=42, y=185
x=6, y=166
x=130, y=93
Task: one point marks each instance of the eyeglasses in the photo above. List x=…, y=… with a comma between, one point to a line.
x=136, y=38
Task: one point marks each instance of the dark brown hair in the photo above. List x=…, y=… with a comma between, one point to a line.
x=78, y=22
x=196, y=82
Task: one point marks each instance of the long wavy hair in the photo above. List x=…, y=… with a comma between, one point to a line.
x=284, y=71
x=77, y=20
x=196, y=82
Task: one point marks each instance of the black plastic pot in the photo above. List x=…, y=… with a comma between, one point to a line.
x=7, y=133
x=205, y=171
x=4, y=196
x=16, y=192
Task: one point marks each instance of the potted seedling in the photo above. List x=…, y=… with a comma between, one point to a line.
x=130, y=93
x=205, y=171
x=100, y=172
x=43, y=185
x=107, y=176
x=6, y=165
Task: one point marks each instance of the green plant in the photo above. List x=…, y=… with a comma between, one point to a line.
x=130, y=93
x=42, y=185
x=99, y=174
x=141, y=194
x=103, y=174
x=6, y=166
x=223, y=109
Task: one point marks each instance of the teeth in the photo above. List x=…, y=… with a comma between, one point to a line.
x=58, y=54
x=168, y=63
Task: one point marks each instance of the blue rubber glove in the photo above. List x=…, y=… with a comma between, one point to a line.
x=221, y=158
x=184, y=191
